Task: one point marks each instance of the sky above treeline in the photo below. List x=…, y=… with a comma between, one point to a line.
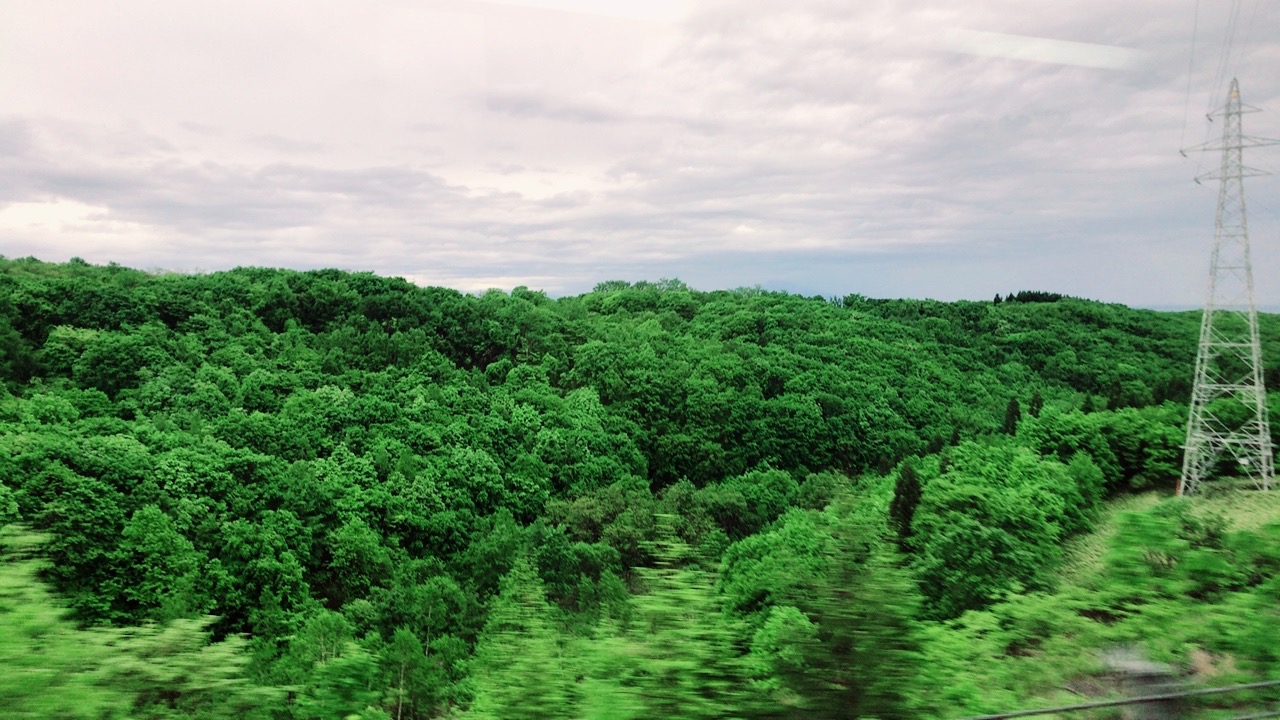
x=893, y=148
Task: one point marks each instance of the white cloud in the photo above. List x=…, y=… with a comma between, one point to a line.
x=1045, y=50
x=53, y=215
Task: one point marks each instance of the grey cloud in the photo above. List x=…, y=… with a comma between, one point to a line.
x=201, y=128
x=15, y=138
x=196, y=196
x=815, y=146
x=530, y=105
x=286, y=145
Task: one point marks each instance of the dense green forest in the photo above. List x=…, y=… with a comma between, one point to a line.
x=276, y=494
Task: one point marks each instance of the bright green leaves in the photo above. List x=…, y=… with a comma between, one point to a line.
x=48, y=667
x=8, y=506
x=521, y=671
x=671, y=652
x=358, y=559
x=991, y=523
x=173, y=671
x=782, y=652
x=409, y=675
x=684, y=661
x=84, y=516
x=836, y=634
x=341, y=686
x=158, y=568
x=334, y=676
x=112, y=362
x=149, y=672
x=348, y=466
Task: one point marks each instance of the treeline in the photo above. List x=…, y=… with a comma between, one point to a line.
x=1030, y=296
x=646, y=501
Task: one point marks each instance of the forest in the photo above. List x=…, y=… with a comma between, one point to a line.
x=275, y=494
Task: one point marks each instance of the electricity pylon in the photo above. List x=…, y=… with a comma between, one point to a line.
x=1228, y=420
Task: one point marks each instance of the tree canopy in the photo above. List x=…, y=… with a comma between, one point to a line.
x=328, y=494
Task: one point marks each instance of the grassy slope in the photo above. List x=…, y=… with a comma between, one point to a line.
x=1082, y=556
x=1244, y=509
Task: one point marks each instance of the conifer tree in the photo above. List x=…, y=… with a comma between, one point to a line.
x=1012, y=416
x=906, y=496
x=1036, y=405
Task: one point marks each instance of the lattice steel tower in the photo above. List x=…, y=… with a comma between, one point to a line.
x=1228, y=420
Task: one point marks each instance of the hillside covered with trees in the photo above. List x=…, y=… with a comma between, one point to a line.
x=276, y=494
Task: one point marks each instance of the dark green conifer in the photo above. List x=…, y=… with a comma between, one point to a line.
x=1012, y=416
x=1036, y=404
x=906, y=496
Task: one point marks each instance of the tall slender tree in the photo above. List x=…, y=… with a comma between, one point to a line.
x=1012, y=416
x=906, y=496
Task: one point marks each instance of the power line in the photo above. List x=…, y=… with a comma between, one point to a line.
x=1224, y=56
x=1142, y=699
x=1246, y=39
x=1191, y=63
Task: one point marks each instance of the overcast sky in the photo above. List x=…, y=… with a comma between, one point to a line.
x=894, y=148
